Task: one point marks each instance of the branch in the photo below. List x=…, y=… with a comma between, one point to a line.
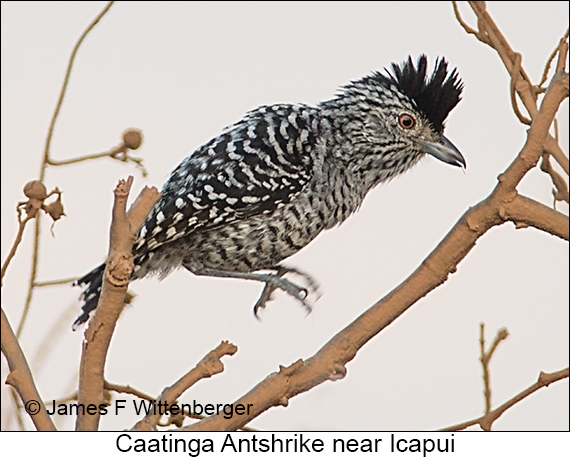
x=551, y=59
x=21, y=227
x=471, y=31
x=37, y=194
x=532, y=151
x=128, y=390
x=172, y=420
x=55, y=282
x=132, y=140
x=21, y=379
x=208, y=366
x=486, y=358
x=497, y=41
x=560, y=191
x=524, y=212
x=486, y=421
x=515, y=71
x=490, y=34
x=45, y=160
x=65, y=83
x=124, y=229
x=553, y=148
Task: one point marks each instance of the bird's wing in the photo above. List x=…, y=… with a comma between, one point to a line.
x=255, y=166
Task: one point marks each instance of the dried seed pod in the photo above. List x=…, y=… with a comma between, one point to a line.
x=55, y=209
x=132, y=139
x=35, y=190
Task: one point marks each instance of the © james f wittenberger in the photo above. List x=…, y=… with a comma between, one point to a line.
x=140, y=406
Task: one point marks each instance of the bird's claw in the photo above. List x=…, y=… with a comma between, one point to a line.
x=276, y=281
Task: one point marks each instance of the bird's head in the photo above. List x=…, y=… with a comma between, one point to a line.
x=393, y=119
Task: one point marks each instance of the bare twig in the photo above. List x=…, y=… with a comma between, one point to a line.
x=560, y=191
x=552, y=147
x=208, y=366
x=562, y=55
x=117, y=274
x=122, y=158
x=515, y=71
x=55, y=282
x=45, y=160
x=490, y=34
x=128, y=390
x=18, y=410
x=471, y=31
x=132, y=140
x=486, y=380
x=486, y=358
x=21, y=379
x=65, y=84
x=37, y=194
x=524, y=87
x=272, y=391
x=497, y=41
x=137, y=393
x=21, y=227
x=486, y=421
x=551, y=59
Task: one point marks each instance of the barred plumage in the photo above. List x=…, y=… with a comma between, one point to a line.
x=269, y=184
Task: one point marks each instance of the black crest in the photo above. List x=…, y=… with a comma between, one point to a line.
x=435, y=97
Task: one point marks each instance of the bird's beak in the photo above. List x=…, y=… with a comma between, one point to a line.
x=445, y=151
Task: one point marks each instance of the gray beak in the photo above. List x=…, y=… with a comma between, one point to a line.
x=445, y=151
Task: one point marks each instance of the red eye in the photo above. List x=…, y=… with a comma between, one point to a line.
x=406, y=121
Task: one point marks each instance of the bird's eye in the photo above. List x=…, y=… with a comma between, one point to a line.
x=406, y=121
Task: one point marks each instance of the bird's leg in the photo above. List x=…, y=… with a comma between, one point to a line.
x=281, y=270
x=266, y=294
x=272, y=281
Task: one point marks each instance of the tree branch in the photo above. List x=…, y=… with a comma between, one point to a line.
x=21, y=227
x=44, y=164
x=486, y=421
x=490, y=34
x=208, y=366
x=524, y=212
x=116, y=279
x=486, y=358
x=21, y=379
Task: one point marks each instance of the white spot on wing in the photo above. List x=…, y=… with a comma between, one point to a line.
x=170, y=232
x=249, y=199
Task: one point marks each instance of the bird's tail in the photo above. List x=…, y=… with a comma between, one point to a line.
x=90, y=296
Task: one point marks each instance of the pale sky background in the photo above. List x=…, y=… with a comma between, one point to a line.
x=180, y=72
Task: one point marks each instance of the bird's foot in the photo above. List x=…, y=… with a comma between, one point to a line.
x=277, y=281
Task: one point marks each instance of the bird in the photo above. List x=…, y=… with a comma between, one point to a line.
x=270, y=183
